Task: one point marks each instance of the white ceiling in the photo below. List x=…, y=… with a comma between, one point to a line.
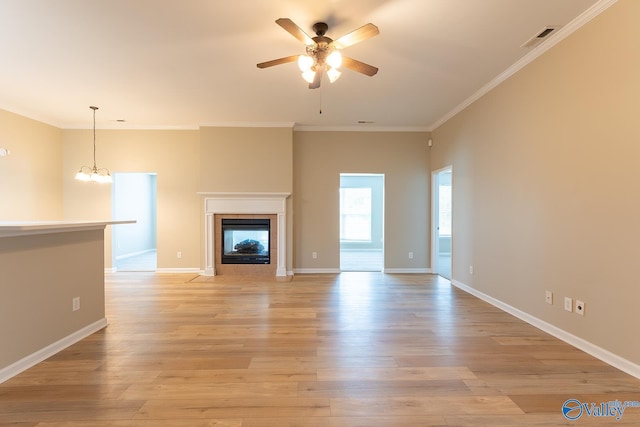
x=187, y=63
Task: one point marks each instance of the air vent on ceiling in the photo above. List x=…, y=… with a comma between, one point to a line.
x=540, y=36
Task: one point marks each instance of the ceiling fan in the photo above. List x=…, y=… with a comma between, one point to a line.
x=323, y=53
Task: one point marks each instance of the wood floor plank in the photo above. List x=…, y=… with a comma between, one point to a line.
x=384, y=388
x=277, y=375
x=235, y=408
x=143, y=423
x=336, y=350
x=211, y=390
x=432, y=405
x=411, y=421
x=403, y=374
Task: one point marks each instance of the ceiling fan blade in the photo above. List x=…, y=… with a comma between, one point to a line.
x=278, y=61
x=317, y=79
x=358, y=66
x=295, y=31
x=356, y=36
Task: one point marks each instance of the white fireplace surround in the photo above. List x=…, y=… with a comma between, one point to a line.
x=245, y=203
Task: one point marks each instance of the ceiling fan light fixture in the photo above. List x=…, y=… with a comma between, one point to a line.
x=305, y=62
x=334, y=59
x=309, y=76
x=333, y=74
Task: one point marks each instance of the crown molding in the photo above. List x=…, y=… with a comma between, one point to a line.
x=364, y=128
x=595, y=10
x=249, y=124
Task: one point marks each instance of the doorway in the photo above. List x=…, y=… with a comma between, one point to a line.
x=134, y=245
x=442, y=222
x=361, y=222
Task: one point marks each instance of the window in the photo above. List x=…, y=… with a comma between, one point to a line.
x=445, y=209
x=355, y=214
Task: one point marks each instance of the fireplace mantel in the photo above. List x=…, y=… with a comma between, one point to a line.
x=245, y=203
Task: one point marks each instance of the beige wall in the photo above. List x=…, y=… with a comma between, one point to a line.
x=546, y=179
x=41, y=274
x=31, y=176
x=246, y=159
x=320, y=158
x=173, y=155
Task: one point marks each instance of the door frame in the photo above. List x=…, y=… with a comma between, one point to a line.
x=435, y=217
x=116, y=193
x=381, y=212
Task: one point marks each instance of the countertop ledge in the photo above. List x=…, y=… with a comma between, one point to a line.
x=23, y=228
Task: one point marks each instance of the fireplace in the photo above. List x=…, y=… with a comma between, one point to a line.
x=245, y=241
x=218, y=206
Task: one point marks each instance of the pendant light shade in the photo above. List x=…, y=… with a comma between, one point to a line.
x=93, y=174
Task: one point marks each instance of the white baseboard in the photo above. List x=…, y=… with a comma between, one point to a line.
x=132, y=254
x=407, y=270
x=180, y=270
x=316, y=271
x=194, y=270
x=590, y=348
x=48, y=351
x=338, y=271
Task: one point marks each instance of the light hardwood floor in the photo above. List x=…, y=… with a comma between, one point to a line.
x=354, y=349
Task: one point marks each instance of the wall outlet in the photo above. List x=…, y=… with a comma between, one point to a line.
x=179, y=255
x=471, y=269
x=410, y=255
x=580, y=307
x=75, y=304
x=568, y=304
x=314, y=255
x=548, y=297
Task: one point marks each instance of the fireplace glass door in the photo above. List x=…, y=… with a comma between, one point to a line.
x=245, y=241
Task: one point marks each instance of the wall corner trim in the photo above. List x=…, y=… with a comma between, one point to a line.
x=586, y=346
x=48, y=351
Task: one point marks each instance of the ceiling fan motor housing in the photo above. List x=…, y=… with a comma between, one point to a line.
x=320, y=28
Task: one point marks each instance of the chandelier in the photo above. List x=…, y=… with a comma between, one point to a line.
x=93, y=174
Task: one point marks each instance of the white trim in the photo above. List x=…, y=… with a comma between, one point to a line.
x=407, y=270
x=129, y=126
x=338, y=271
x=248, y=125
x=316, y=270
x=180, y=270
x=195, y=270
x=359, y=128
x=132, y=254
x=590, y=348
x=243, y=195
x=48, y=351
x=556, y=38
